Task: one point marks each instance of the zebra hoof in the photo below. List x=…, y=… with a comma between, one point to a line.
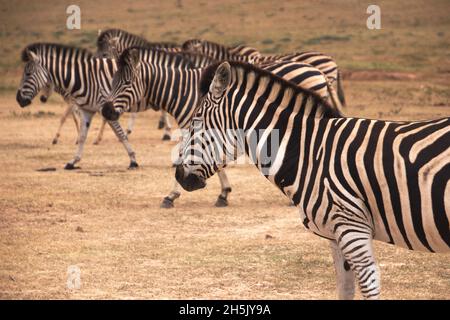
x=221, y=202
x=160, y=125
x=55, y=141
x=128, y=132
x=96, y=142
x=133, y=166
x=291, y=204
x=70, y=166
x=167, y=203
x=166, y=137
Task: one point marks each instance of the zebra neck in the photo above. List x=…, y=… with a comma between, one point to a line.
x=173, y=90
x=281, y=135
x=288, y=156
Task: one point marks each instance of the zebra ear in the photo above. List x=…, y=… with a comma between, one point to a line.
x=113, y=42
x=221, y=80
x=32, y=56
x=134, y=58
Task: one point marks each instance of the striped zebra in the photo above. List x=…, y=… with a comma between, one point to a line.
x=220, y=52
x=71, y=109
x=79, y=77
x=353, y=180
x=112, y=42
x=324, y=63
x=320, y=61
x=147, y=76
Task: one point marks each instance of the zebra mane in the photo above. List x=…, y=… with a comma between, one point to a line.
x=209, y=72
x=110, y=33
x=195, y=56
x=174, y=58
x=185, y=45
x=38, y=46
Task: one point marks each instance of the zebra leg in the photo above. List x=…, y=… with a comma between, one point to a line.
x=226, y=189
x=131, y=122
x=100, y=132
x=77, y=125
x=356, y=247
x=344, y=275
x=167, y=202
x=167, y=125
x=69, y=109
x=86, y=118
x=115, y=126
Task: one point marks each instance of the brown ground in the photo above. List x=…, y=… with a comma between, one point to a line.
x=107, y=220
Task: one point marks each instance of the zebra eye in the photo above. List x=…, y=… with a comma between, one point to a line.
x=127, y=82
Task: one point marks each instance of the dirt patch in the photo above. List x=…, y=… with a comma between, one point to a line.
x=376, y=75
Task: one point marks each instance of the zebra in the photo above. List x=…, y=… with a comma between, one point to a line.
x=220, y=52
x=112, y=42
x=353, y=180
x=79, y=77
x=147, y=75
x=324, y=63
x=71, y=109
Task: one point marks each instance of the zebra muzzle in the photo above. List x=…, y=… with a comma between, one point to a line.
x=109, y=113
x=190, y=182
x=23, y=102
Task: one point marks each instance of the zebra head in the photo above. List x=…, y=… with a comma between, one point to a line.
x=194, y=45
x=35, y=78
x=127, y=86
x=212, y=140
x=109, y=47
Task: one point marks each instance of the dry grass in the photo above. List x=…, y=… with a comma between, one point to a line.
x=130, y=248
x=126, y=246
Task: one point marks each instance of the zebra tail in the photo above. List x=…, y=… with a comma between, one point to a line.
x=340, y=89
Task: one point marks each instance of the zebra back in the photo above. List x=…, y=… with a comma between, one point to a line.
x=112, y=42
x=323, y=62
x=302, y=74
x=220, y=52
x=198, y=60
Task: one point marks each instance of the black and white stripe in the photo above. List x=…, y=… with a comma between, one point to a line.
x=353, y=180
x=220, y=52
x=148, y=78
x=79, y=77
x=323, y=62
x=112, y=42
x=320, y=61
